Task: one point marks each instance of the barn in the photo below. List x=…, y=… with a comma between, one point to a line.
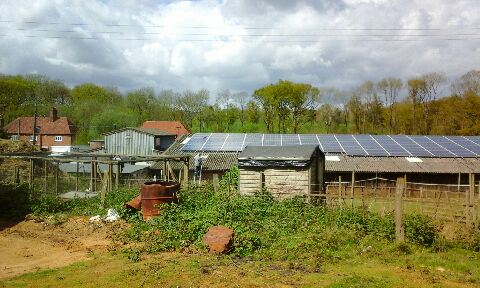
x=444, y=160
x=284, y=172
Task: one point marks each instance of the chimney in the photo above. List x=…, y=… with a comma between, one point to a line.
x=53, y=114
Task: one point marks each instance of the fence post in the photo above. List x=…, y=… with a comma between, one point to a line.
x=45, y=171
x=215, y=182
x=399, y=226
x=57, y=167
x=76, y=176
x=470, y=195
x=117, y=176
x=185, y=173
x=352, y=190
x=340, y=190
x=16, y=175
x=31, y=177
x=421, y=199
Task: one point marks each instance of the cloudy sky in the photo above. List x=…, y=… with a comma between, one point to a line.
x=239, y=45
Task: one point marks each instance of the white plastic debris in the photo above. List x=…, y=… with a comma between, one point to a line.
x=112, y=215
x=95, y=218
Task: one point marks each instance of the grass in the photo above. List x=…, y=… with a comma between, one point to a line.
x=287, y=243
x=417, y=269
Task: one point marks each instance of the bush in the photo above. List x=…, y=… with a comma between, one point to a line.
x=421, y=230
x=15, y=200
x=289, y=229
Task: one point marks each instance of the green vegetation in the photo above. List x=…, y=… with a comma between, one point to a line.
x=376, y=268
x=419, y=105
x=289, y=243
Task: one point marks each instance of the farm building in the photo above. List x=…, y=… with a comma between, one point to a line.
x=51, y=131
x=137, y=141
x=284, y=171
x=446, y=160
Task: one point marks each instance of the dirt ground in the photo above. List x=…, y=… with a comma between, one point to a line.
x=32, y=245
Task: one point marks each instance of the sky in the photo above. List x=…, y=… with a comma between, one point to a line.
x=237, y=45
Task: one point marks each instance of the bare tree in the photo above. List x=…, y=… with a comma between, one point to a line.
x=191, y=104
x=390, y=88
x=241, y=99
x=468, y=83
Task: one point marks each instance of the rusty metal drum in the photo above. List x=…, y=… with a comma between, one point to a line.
x=157, y=192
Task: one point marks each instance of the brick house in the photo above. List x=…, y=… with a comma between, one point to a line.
x=174, y=127
x=51, y=130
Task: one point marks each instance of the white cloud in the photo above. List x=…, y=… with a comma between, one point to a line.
x=240, y=45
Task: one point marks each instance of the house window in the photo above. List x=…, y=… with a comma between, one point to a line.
x=58, y=138
x=31, y=137
x=14, y=137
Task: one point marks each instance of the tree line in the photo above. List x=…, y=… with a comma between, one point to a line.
x=426, y=104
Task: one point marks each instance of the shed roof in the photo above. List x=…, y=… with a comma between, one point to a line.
x=150, y=131
x=303, y=152
x=401, y=165
x=174, y=127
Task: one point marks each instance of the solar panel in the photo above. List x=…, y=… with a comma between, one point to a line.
x=431, y=146
x=390, y=145
x=309, y=139
x=355, y=145
x=475, y=139
x=196, y=142
x=370, y=145
x=253, y=140
x=350, y=145
x=451, y=146
x=411, y=146
x=290, y=140
x=466, y=143
x=272, y=140
x=215, y=142
x=234, y=142
x=330, y=144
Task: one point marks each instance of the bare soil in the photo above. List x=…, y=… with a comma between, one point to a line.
x=34, y=245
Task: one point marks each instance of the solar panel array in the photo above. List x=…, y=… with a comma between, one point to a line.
x=354, y=145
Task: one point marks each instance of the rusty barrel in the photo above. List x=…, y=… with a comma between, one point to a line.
x=157, y=192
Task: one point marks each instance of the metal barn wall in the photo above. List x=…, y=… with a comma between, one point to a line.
x=130, y=142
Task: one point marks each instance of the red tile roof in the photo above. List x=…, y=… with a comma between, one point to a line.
x=61, y=126
x=174, y=127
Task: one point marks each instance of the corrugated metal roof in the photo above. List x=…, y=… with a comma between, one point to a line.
x=303, y=152
x=225, y=160
x=401, y=165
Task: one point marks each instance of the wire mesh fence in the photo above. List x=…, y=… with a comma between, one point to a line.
x=450, y=202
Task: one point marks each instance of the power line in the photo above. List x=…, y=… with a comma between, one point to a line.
x=232, y=40
x=247, y=35
x=236, y=25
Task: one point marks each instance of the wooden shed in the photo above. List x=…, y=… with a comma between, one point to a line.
x=284, y=171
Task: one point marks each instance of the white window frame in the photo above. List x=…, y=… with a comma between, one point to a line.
x=31, y=138
x=58, y=138
x=14, y=137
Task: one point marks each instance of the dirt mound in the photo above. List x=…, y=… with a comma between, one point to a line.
x=31, y=246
